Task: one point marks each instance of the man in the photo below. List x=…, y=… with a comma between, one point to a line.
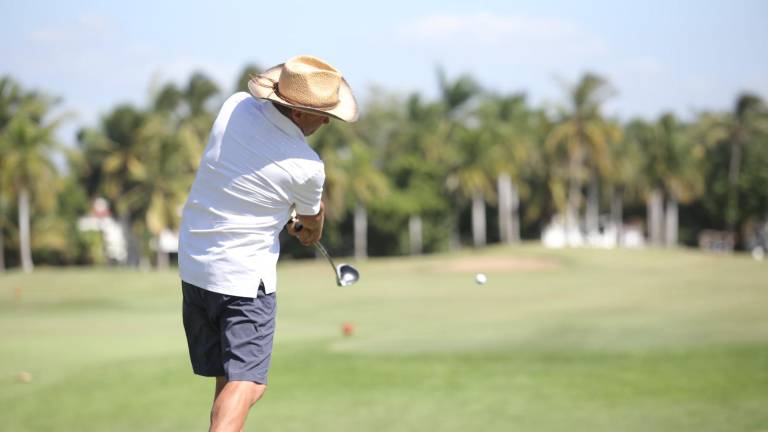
x=256, y=170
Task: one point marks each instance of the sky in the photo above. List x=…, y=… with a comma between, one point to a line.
x=659, y=56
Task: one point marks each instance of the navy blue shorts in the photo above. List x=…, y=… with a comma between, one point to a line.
x=229, y=336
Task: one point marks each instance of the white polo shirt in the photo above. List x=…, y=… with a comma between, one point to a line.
x=256, y=168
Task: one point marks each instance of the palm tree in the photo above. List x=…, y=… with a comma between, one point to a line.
x=736, y=130
x=749, y=117
x=199, y=92
x=10, y=95
x=160, y=190
x=583, y=136
x=134, y=147
x=455, y=98
x=508, y=124
x=242, y=80
x=366, y=184
x=167, y=144
x=473, y=178
x=682, y=172
x=415, y=158
x=352, y=178
x=199, y=96
x=655, y=158
x=3, y=221
x=624, y=178
x=121, y=168
x=363, y=164
x=168, y=99
x=26, y=165
x=329, y=142
x=670, y=172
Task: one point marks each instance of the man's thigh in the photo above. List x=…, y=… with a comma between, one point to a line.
x=202, y=329
x=247, y=328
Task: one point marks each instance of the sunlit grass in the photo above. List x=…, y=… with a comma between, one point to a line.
x=555, y=341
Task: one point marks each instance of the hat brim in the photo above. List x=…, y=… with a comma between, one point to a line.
x=346, y=110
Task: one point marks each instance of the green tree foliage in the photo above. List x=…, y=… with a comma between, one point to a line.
x=580, y=144
x=10, y=97
x=415, y=157
x=413, y=175
x=143, y=161
x=507, y=128
x=26, y=167
x=734, y=165
x=249, y=71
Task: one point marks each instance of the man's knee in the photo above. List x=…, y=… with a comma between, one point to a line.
x=249, y=390
x=258, y=392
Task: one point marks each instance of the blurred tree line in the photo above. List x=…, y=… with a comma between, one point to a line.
x=412, y=176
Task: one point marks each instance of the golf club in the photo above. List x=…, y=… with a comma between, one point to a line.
x=345, y=274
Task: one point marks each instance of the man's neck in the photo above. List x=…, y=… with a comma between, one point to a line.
x=284, y=110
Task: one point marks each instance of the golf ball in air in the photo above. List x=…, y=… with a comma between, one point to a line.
x=480, y=279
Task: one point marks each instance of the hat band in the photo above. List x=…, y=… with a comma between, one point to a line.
x=275, y=87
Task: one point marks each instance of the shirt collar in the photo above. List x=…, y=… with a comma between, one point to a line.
x=284, y=123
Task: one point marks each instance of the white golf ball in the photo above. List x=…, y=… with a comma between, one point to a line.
x=480, y=279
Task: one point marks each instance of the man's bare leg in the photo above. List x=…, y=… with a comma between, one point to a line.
x=232, y=402
x=220, y=382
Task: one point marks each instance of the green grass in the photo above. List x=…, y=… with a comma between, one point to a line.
x=589, y=340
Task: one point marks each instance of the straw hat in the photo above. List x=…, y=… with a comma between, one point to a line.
x=309, y=84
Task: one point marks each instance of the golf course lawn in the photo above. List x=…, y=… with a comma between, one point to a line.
x=571, y=340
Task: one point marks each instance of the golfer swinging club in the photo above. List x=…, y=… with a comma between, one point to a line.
x=256, y=170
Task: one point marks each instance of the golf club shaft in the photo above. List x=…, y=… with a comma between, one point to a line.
x=319, y=246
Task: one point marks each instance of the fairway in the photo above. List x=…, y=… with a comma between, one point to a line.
x=572, y=340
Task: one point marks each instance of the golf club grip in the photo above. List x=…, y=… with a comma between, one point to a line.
x=297, y=226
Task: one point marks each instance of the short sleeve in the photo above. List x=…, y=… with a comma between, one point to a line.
x=307, y=195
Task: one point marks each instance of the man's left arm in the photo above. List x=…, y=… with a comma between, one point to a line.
x=307, y=228
x=310, y=210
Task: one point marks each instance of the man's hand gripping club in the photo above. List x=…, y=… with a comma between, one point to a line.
x=311, y=227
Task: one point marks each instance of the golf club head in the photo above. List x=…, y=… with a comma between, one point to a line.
x=346, y=275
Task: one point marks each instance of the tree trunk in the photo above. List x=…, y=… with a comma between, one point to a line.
x=132, y=258
x=572, y=228
x=509, y=202
x=515, y=214
x=361, y=232
x=2, y=246
x=734, y=167
x=655, y=215
x=593, y=206
x=504, y=187
x=670, y=223
x=25, y=243
x=571, y=212
x=125, y=226
x=2, y=251
x=454, y=243
x=478, y=219
x=617, y=214
x=2, y=238
x=162, y=257
x=415, y=234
